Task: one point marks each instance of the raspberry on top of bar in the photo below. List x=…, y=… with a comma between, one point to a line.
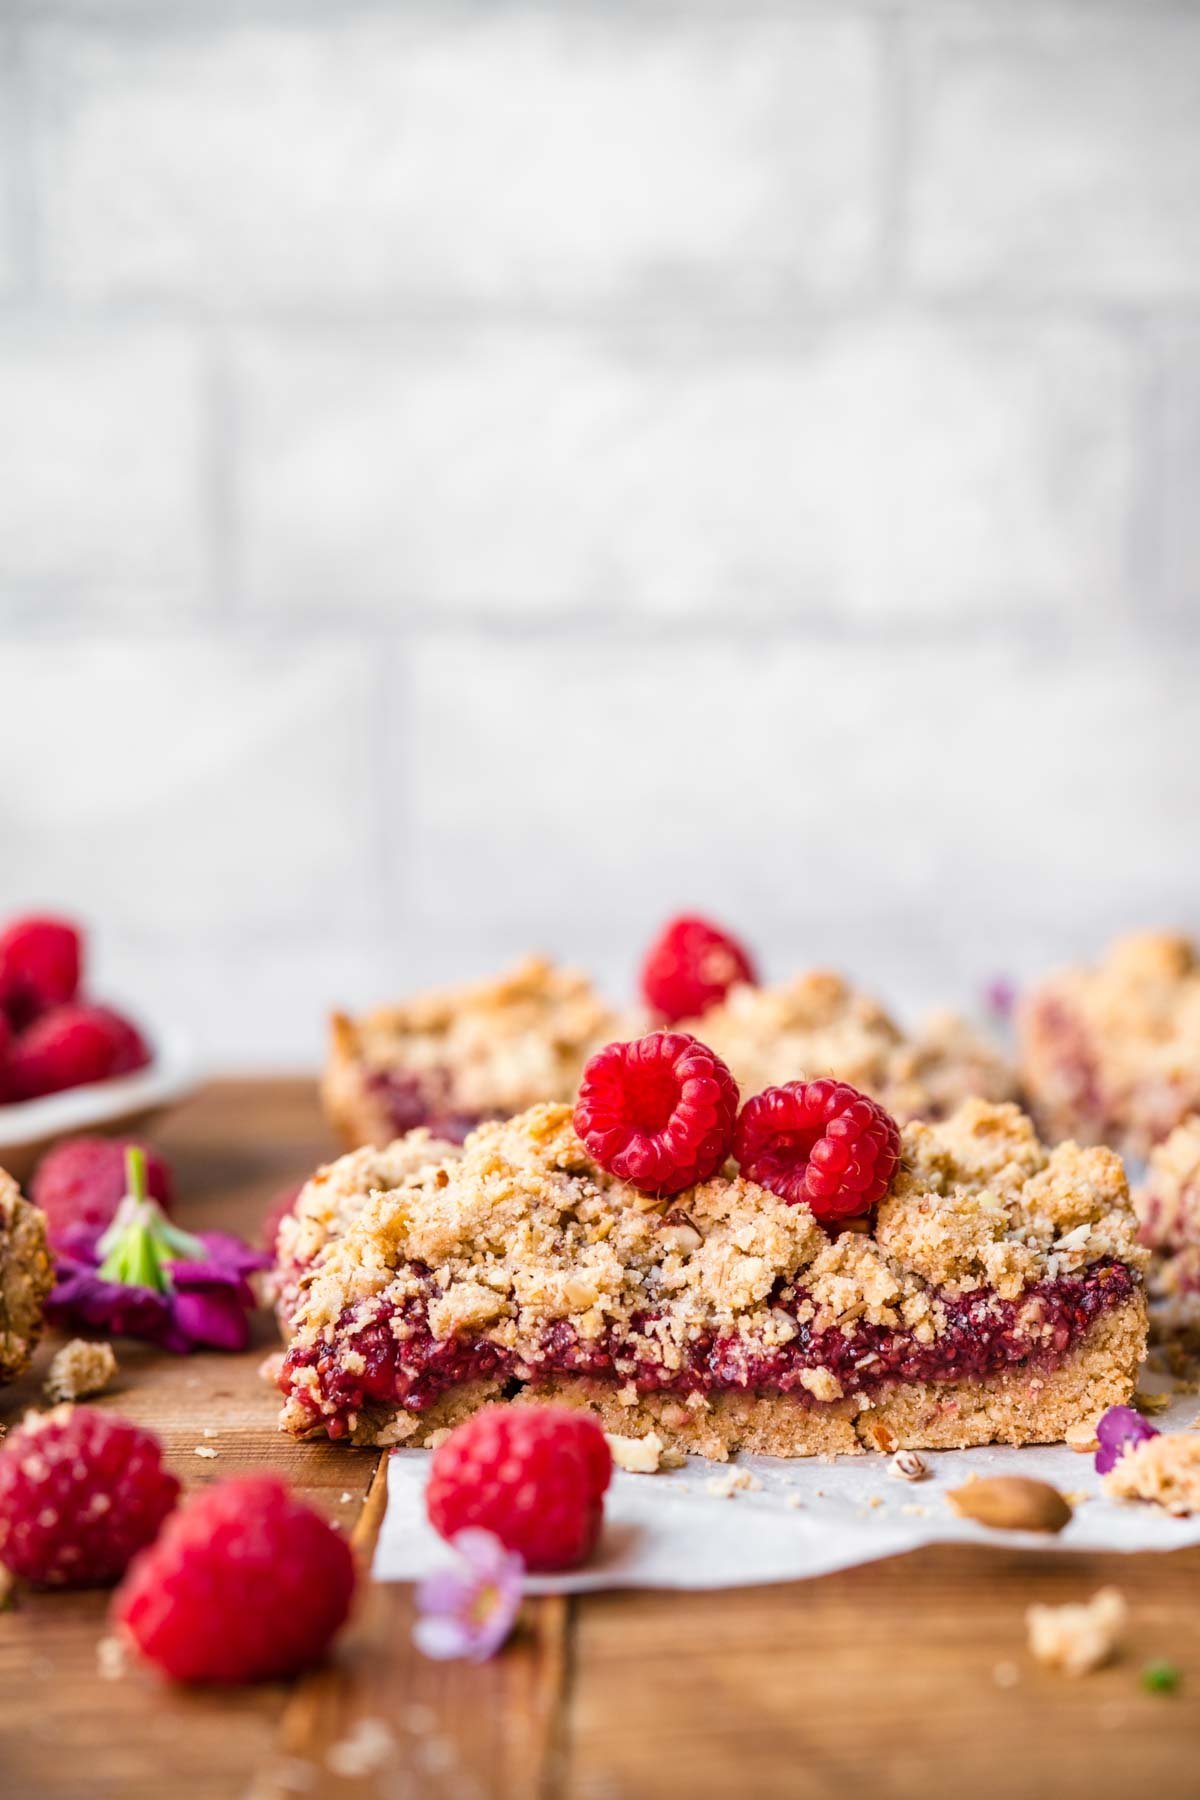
x=1111, y=1053
x=998, y=1297
x=818, y=1024
x=454, y=1057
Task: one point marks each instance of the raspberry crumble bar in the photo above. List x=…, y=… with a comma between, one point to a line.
x=26, y=1277
x=1167, y=1203
x=819, y=1025
x=450, y=1059
x=997, y=1298
x=1111, y=1054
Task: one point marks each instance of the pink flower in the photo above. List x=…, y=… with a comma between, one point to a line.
x=469, y=1611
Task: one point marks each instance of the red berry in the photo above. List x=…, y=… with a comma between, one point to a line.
x=39, y=967
x=691, y=966
x=280, y=1208
x=534, y=1476
x=820, y=1143
x=246, y=1583
x=6, y=1041
x=72, y=1046
x=81, y=1492
x=658, y=1112
x=82, y=1182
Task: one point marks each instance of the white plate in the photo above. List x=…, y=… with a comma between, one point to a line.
x=30, y=1126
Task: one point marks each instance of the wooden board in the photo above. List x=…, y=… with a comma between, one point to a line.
x=879, y=1680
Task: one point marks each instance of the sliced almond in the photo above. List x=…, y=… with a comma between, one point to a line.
x=1012, y=1503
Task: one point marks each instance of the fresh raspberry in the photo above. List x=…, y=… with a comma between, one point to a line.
x=690, y=966
x=246, y=1583
x=534, y=1476
x=82, y=1183
x=6, y=1043
x=81, y=1492
x=820, y=1143
x=71, y=1046
x=39, y=967
x=658, y=1111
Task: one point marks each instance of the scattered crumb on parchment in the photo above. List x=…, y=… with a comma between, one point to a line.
x=1164, y=1470
x=637, y=1456
x=1076, y=1639
x=1081, y=1437
x=731, y=1482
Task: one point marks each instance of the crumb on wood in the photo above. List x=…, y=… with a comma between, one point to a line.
x=111, y=1660
x=78, y=1369
x=364, y=1749
x=1077, y=1639
x=205, y=1450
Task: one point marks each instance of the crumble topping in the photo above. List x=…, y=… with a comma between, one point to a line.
x=1168, y=1200
x=492, y=1047
x=1163, y=1469
x=819, y=1025
x=1112, y=1052
x=333, y=1198
x=26, y=1277
x=522, y=1230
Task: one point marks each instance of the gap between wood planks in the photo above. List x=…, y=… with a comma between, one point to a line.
x=491, y=1729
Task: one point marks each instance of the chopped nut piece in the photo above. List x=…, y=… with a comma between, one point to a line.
x=1163, y=1469
x=1081, y=1437
x=1012, y=1503
x=908, y=1465
x=79, y=1369
x=1149, y=1404
x=1076, y=1639
x=637, y=1456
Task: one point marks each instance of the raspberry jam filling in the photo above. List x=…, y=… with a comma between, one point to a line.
x=393, y=1359
x=412, y=1100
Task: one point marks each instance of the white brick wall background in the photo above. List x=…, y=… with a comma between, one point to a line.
x=477, y=475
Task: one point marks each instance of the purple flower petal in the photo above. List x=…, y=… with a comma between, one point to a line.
x=1000, y=996
x=1118, y=1429
x=442, y=1636
x=229, y=1252
x=209, y=1317
x=469, y=1610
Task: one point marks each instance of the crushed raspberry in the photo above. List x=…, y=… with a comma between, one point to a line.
x=691, y=966
x=534, y=1476
x=658, y=1111
x=246, y=1583
x=820, y=1143
x=81, y=1183
x=72, y=1046
x=81, y=1492
x=280, y=1208
x=39, y=967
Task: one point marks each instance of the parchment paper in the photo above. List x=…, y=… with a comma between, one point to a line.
x=806, y=1518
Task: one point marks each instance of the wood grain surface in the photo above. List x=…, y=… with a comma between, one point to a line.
x=907, y=1677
